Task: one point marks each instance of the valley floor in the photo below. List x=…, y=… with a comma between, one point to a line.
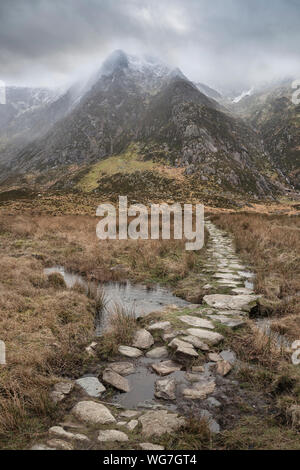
x=251, y=393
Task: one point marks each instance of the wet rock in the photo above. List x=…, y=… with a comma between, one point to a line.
x=231, y=302
x=183, y=348
x=143, y=339
x=210, y=337
x=91, y=386
x=157, y=423
x=112, y=378
x=59, y=444
x=223, y=368
x=130, y=352
x=122, y=368
x=166, y=367
x=93, y=413
x=132, y=424
x=165, y=388
x=149, y=446
x=196, y=342
x=228, y=356
x=158, y=353
x=163, y=325
x=200, y=390
x=198, y=322
x=112, y=435
x=59, y=432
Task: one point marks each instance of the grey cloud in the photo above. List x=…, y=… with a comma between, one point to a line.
x=224, y=42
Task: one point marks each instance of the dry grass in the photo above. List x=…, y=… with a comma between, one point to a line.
x=120, y=331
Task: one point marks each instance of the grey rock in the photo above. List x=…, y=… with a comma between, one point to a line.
x=93, y=413
x=112, y=435
x=166, y=367
x=149, y=446
x=91, y=386
x=158, y=353
x=166, y=325
x=116, y=380
x=231, y=302
x=165, y=388
x=59, y=432
x=197, y=322
x=143, y=339
x=210, y=337
x=122, y=368
x=129, y=351
x=157, y=423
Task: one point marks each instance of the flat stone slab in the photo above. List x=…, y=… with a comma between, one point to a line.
x=166, y=367
x=132, y=424
x=157, y=423
x=158, y=353
x=112, y=435
x=149, y=446
x=227, y=321
x=142, y=339
x=196, y=342
x=183, y=348
x=196, y=321
x=122, y=368
x=59, y=432
x=163, y=325
x=230, y=302
x=116, y=380
x=165, y=388
x=243, y=291
x=129, y=351
x=92, y=386
x=211, y=337
x=200, y=390
x=233, y=313
x=93, y=413
x=227, y=276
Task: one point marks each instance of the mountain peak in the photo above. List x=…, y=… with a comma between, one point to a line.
x=116, y=60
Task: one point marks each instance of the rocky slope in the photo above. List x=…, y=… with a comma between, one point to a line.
x=145, y=102
x=277, y=118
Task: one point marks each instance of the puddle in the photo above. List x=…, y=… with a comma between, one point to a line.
x=139, y=298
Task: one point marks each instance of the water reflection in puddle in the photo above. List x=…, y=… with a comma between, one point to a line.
x=133, y=297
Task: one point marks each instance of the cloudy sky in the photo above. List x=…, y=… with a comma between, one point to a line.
x=224, y=43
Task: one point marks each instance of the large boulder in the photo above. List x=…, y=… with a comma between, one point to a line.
x=93, y=413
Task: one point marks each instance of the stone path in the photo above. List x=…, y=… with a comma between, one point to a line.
x=177, y=363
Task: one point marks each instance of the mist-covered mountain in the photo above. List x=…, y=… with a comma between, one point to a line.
x=272, y=112
x=144, y=102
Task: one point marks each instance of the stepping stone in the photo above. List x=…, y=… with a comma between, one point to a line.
x=58, y=431
x=158, y=353
x=132, y=424
x=165, y=388
x=211, y=337
x=157, y=423
x=183, y=348
x=230, y=322
x=228, y=356
x=223, y=368
x=122, y=368
x=60, y=444
x=196, y=342
x=149, y=446
x=166, y=368
x=93, y=413
x=91, y=386
x=243, y=291
x=171, y=335
x=130, y=352
x=116, y=380
x=200, y=390
x=198, y=322
x=213, y=357
x=231, y=302
x=129, y=414
x=112, y=435
x=227, y=276
x=163, y=325
x=143, y=339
